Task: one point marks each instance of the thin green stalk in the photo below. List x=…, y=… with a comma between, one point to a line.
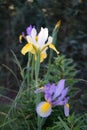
x=37, y=68
x=28, y=67
x=32, y=70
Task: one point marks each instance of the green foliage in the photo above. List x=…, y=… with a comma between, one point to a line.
x=73, y=122
x=62, y=67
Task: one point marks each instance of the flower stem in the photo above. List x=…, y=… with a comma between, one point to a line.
x=38, y=97
x=28, y=67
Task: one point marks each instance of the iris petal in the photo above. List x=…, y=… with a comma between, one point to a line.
x=33, y=35
x=42, y=37
x=59, y=88
x=44, y=109
x=66, y=109
x=28, y=48
x=29, y=29
x=64, y=92
x=53, y=47
x=42, y=56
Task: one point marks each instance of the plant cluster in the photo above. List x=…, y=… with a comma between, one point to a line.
x=44, y=99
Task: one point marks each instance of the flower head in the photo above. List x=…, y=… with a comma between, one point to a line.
x=55, y=95
x=37, y=42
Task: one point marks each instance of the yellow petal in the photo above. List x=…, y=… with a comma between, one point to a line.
x=28, y=48
x=42, y=56
x=53, y=47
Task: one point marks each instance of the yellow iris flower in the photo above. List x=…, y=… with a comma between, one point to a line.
x=39, y=42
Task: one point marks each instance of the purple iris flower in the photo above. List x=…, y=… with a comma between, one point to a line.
x=55, y=95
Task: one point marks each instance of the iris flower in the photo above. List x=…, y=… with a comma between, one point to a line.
x=55, y=95
x=37, y=42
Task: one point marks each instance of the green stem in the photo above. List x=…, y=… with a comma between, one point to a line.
x=38, y=98
x=32, y=70
x=28, y=67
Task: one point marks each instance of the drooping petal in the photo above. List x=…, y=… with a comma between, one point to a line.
x=28, y=48
x=44, y=109
x=42, y=56
x=59, y=88
x=42, y=37
x=29, y=29
x=66, y=109
x=53, y=47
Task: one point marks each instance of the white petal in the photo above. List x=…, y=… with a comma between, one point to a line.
x=33, y=35
x=50, y=39
x=29, y=39
x=42, y=37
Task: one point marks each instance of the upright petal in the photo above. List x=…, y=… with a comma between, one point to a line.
x=29, y=29
x=42, y=37
x=48, y=97
x=29, y=39
x=59, y=88
x=66, y=109
x=33, y=35
x=50, y=39
x=63, y=94
x=44, y=109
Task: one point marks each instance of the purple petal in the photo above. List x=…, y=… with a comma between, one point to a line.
x=48, y=97
x=56, y=103
x=66, y=109
x=59, y=88
x=29, y=29
x=60, y=102
x=64, y=92
x=66, y=100
x=23, y=33
x=47, y=87
x=52, y=89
